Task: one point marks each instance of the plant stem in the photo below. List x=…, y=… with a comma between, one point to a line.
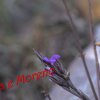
x=79, y=48
x=91, y=30
x=46, y=94
x=49, y=97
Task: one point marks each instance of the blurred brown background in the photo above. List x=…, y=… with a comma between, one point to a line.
x=43, y=25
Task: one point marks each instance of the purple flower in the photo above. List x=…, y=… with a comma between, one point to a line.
x=53, y=59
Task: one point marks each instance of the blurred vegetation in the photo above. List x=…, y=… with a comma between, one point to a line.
x=39, y=24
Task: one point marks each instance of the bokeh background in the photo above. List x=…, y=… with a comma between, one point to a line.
x=43, y=25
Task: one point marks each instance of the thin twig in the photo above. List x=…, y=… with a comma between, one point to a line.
x=60, y=76
x=79, y=48
x=46, y=94
x=91, y=30
x=49, y=97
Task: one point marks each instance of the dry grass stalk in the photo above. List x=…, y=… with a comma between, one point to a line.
x=61, y=77
x=97, y=43
x=46, y=95
x=91, y=30
x=74, y=33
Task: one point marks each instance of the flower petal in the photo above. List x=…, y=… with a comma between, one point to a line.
x=55, y=57
x=46, y=59
x=52, y=60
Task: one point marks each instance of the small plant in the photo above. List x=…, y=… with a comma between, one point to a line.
x=60, y=76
